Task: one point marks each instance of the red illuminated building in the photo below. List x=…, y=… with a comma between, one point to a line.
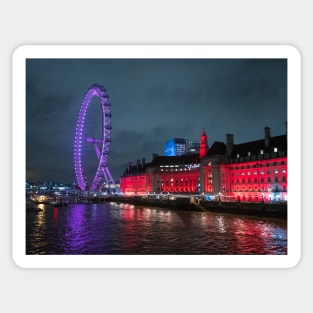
x=253, y=171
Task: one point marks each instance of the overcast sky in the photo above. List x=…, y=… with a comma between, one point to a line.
x=152, y=101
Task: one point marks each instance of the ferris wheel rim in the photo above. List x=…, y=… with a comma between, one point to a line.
x=100, y=92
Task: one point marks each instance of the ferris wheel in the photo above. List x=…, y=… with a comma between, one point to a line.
x=89, y=176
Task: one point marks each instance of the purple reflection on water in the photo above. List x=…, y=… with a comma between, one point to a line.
x=75, y=238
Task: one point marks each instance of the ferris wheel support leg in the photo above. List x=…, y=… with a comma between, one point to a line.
x=110, y=176
x=98, y=155
x=105, y=170
x=96, y=148
x=105, y=176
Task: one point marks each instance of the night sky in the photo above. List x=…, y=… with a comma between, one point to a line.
x=152, y=101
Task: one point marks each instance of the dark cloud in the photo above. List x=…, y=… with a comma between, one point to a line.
x=152, y=101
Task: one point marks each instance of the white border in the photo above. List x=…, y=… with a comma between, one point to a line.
x=155, y=51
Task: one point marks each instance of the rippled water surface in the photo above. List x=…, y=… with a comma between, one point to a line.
x=111, y=228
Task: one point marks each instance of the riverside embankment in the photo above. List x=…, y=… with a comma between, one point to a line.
x=278, y=210
x=178, y=203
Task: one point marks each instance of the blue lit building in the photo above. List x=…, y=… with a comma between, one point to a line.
x=176, y=146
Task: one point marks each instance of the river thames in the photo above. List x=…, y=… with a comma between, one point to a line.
x=125, y=229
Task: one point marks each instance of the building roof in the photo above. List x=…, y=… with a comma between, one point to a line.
x=136, y=169
x=140, y=168
x=176, y=160
x=254, y=147
x=218, y=148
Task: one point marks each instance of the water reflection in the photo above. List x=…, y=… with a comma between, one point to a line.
x=75, y=236
x=126, y=229
x=221, y=225
x=38, y=230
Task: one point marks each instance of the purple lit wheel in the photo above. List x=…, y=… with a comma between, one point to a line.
x=101, y=145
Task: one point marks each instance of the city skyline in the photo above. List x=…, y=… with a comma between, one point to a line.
x=152, y=101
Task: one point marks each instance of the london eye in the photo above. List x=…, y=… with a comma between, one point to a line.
x=92, y=140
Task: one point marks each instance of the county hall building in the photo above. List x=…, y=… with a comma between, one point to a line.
x=252, y=171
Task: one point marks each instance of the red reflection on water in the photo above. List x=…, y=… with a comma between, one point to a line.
x=251, y=237
x=129, y=227
x=55, y=213
x=55, y=218
x=128, y=212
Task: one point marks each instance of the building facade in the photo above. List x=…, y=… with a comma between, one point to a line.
x=176, y=146
x=253, y=171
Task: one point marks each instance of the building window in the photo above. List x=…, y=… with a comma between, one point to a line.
x=275, y=149
x=261, y=152
x=269, y=179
